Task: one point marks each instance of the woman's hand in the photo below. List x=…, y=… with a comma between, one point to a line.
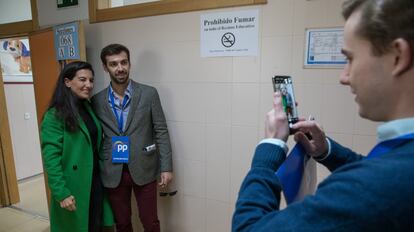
x=69, y=203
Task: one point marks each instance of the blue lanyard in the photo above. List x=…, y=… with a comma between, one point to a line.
x=119, y=119
x=388, y=145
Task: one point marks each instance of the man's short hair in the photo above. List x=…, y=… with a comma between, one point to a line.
x=383, y=21
x=113, y=49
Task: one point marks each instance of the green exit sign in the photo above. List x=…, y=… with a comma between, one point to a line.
x=66, y=3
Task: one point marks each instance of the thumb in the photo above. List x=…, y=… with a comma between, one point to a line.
x=162, y=182
x=303, y=140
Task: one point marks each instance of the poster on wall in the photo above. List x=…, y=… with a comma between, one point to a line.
x=230, y=33
x=66, y=41
x=323, y=48
x=15, y=60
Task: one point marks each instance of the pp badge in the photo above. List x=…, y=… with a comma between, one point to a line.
x=120, y=149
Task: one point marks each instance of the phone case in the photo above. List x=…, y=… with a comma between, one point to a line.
x=283, y=84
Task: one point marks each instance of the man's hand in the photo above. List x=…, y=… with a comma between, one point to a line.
x=315, y=145
x=276, y=125
x=69, y=203
x=166, y=178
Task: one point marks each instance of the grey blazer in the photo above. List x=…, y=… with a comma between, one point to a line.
x=145, y=126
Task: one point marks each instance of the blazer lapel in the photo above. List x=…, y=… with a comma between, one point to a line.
x=136, y=97
x=109, y=111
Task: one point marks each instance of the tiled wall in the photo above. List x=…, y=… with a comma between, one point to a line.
x=216, y=107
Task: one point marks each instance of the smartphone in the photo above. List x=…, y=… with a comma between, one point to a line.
x=283, y=84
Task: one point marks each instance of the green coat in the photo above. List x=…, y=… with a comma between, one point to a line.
x=68, y=161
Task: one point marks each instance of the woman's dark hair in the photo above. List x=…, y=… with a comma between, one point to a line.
x=63, y=100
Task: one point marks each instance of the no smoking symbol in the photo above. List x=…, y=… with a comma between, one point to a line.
x=228, y=40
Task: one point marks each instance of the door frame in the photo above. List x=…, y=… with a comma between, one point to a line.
x=9, y=191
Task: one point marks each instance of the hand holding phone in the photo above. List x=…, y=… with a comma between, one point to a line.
x=283, y=84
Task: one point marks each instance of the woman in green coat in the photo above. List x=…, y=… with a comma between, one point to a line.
x=71, y=139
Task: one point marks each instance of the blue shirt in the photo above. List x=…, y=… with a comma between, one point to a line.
x=389, y=130
x=124, y=110
x=395, y=128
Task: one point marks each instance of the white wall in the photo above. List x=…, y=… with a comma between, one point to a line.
x=50, y=15
x=21, y=110
x=15, y=11
x=216, y=107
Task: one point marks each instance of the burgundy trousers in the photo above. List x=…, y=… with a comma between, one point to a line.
x=146, y=196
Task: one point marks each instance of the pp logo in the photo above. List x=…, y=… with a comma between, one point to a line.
x=119, y=146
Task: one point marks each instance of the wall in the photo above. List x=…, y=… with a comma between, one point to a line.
x=21, y=109
x=50, y=15
x=15, y=11
x=216, y=107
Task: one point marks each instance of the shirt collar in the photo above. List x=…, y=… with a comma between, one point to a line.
x=395, y=128
x=128, y=91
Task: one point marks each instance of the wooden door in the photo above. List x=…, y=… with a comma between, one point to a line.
x=46, y=70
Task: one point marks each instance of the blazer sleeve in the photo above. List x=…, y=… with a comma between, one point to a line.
x=161, y=135
x=332, y=208
x=51, y=133
x=339, y=156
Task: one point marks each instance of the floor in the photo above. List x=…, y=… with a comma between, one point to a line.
x=31, y=213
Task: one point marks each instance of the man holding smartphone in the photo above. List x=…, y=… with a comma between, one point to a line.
x=372, y=193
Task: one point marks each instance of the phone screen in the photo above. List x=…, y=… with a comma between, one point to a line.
x=283, y=84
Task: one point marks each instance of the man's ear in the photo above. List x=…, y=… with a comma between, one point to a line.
x=105, y=68
x=402, y=50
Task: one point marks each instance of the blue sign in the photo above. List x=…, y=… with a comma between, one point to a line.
x=120, y=149
x=67, y=41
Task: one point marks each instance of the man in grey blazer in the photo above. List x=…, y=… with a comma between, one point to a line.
x=136, y=145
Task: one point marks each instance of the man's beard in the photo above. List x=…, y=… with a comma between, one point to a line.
x=120, y=82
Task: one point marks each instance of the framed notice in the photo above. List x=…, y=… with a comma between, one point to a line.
x=323, y=48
